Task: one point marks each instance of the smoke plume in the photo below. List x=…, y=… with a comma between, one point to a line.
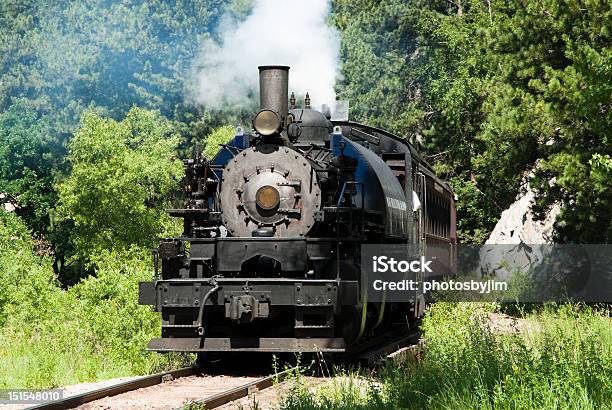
x=277, y=32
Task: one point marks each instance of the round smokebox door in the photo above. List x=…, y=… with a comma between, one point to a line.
x=274, y=189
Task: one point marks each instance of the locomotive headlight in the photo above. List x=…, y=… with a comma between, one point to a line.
x=267, y=197
x=267, y=122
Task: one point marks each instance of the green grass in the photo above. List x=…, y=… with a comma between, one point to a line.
x=50, y=336
x=562, y=359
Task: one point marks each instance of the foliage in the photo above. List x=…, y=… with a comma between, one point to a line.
x=24, y=278
x=488, y=88
x=53, y=337
x=59, y=59
x=562, y=358
x=221, y=135
x=29, y=155
x=121, y=175
x=560, y=60
x=484, y=88
x=65, y=57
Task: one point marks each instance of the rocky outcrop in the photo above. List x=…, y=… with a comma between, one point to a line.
x=518, y=225
x=8, y=204
x=509, y=247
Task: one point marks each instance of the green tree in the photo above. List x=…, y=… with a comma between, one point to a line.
x=492, y=90
x=122, y=173
x=29, y=156
x=68, y=56
x=560, y=58
x=378, y=48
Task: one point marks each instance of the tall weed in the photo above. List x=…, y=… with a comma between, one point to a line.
x=562, y=358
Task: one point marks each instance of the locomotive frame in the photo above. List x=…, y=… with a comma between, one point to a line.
x=309, y=191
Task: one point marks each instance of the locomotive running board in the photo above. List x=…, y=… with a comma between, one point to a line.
x=226, y=344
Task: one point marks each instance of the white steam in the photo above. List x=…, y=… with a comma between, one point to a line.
x=277, y=32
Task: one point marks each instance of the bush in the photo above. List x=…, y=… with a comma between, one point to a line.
x=94, y=330
x=25, y=279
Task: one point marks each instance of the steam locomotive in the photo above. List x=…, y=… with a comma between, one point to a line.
x=269, y=259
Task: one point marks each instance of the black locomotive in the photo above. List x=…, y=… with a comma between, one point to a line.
x=270, y=255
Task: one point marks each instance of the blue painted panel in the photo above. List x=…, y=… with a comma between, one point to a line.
x=372, y=191
x=382, y=191
x=224, y=156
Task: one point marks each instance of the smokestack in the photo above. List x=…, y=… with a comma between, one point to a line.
x=274, y=88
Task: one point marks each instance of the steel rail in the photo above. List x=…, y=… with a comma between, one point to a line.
x=377, y=353
x=239, y=392
x=139, y=383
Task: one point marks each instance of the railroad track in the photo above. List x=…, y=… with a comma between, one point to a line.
x=124, y=387
x=216, y=389
x=239, y=392
x=218, y=393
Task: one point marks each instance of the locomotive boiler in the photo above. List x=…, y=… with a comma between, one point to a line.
x=269, y=259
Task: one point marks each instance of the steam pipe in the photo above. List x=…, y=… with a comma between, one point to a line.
x=200, y=322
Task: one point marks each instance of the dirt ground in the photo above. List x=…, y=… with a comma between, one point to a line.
x=502, y=323
x=169, y=395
